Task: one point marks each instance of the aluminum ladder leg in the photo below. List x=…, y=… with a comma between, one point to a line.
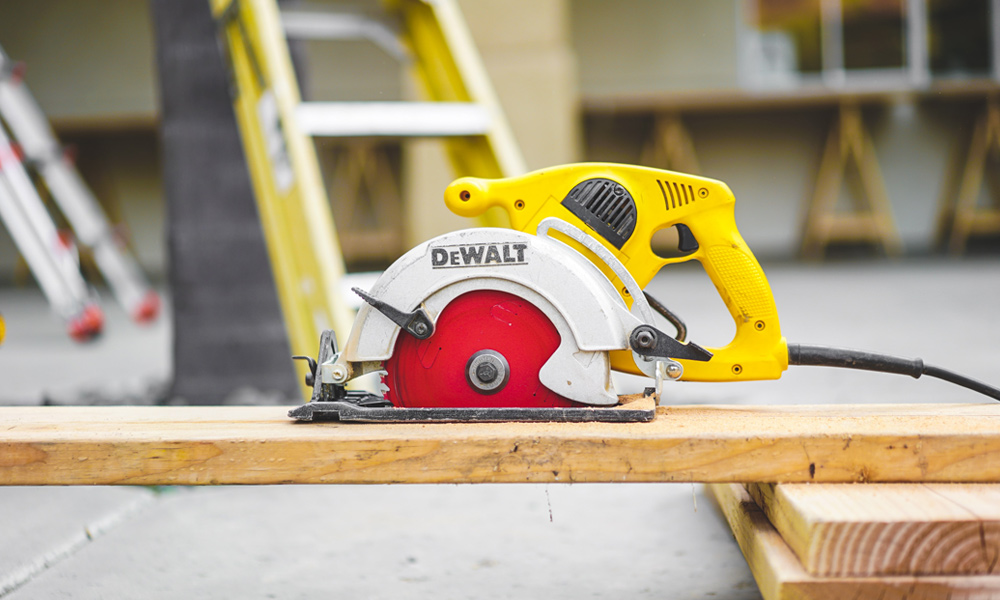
x=34, y=135
x=50, y=256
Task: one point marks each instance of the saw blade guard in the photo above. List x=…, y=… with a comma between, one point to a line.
x=572, y=292
x=622, y=206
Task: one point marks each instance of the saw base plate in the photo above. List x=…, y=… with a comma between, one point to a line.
x=634, y=408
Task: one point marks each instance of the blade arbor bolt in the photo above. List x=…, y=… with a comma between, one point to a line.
x=420, y=328
x=487, y=371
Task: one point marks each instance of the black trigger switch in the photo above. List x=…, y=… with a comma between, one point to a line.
x=687, y=242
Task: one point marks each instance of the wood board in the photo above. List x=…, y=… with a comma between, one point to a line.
x=886, y=529
x=805, y=97
x=260, y=445
x=780, y=575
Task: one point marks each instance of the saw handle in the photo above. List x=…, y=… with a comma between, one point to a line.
x=758, y=350
x=662, y=199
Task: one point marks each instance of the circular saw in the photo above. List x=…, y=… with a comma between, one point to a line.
x=494, y=324
x=527, y=323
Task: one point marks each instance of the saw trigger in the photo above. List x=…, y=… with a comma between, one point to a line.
x=417, y=323
x=686, y=241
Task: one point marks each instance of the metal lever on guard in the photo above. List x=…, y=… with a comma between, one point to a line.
x=649, y=341
x=417, y=323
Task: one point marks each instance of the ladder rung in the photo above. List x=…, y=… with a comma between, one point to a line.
x=325, y=25
x=393, y=119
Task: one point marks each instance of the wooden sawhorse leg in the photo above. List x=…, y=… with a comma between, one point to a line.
x=366, y=199
x=871, y=220
x=671, y=146
x=959, y=213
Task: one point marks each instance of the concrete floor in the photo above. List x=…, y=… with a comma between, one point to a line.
x=556, y=541
x=40, y=364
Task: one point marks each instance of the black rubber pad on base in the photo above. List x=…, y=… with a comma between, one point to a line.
x=350, y=412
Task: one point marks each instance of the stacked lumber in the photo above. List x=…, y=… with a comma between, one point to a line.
x=887, y=541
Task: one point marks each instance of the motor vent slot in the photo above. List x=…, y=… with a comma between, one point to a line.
x=676, y=195
x=605, y=206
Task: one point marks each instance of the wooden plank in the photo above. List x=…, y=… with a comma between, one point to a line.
x=260, y=445
x=987, y=221
x=780, y=575
x=730, y=100
x=887, y=529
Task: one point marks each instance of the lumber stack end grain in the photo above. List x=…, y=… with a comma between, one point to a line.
x=781, y=576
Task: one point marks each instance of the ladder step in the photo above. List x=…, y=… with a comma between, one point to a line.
x=326, y=25
x=392, y=119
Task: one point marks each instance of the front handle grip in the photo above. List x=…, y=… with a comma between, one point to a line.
x=758, y=350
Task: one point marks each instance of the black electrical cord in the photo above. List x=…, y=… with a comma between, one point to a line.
x=825, y=356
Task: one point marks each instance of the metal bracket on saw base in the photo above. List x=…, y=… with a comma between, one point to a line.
x=633, y=409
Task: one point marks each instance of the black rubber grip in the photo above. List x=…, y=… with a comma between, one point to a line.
x=845, y=358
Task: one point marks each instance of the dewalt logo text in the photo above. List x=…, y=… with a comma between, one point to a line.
x=478, y=255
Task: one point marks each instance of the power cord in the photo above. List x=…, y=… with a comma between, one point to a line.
x=845, y=358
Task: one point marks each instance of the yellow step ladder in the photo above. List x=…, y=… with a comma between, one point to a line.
x=276, y=127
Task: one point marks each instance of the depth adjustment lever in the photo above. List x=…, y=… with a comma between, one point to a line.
x=311, y=375
x=649, y=341
x=417, y=323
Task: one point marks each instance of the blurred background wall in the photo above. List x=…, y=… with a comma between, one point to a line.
x=754, y=83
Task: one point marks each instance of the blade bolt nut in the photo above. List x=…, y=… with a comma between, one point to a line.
x=486, y=373
x=420, y=328
x=645, y=339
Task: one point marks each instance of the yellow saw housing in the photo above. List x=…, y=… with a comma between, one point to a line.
x=661, y=199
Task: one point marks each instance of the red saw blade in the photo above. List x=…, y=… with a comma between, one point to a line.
x=436, y=372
